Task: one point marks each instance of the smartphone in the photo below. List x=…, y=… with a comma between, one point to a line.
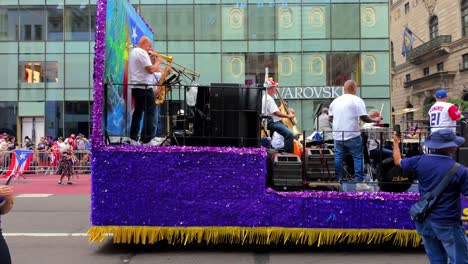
x=397, y=129
x=8, y=180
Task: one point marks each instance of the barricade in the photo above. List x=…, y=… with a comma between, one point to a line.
x=46, y=163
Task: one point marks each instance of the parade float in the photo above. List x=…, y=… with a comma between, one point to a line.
x=210, y=194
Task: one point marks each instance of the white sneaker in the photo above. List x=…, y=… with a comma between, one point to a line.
x=158, y=140
x=360, y=186
x=151, y=143
x=134, y=142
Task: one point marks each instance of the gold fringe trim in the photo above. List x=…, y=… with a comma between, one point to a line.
x=253, y=235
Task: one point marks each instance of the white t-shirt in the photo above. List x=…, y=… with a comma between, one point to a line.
x=137, y=61
x=346, y=111
x=270, y=107
x=443, y=115
x=277, y=141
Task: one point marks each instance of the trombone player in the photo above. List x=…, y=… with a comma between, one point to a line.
x=142, y=82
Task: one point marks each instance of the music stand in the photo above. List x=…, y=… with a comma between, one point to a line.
x=174, y=79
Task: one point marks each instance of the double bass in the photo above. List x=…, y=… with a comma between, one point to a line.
x=291, y=123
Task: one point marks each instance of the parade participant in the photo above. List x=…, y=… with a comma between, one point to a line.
x=274, y=116
x=324, y=125
x=373, y=141
x=442, y=113
x=6, y=204
x=65, y=167
x=344, y=113
x=141, y=74
x=442, y=231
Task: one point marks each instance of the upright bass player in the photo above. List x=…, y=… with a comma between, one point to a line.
x=274, y=116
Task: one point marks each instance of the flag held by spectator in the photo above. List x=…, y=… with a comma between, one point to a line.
x=408, y=41
x=20, y=162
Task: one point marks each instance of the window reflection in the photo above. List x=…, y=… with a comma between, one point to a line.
x=8, y=23
x=76, y=118
x=54, y=118
x=32, y=23
x=38, y=72
x=55, y=23
x=8, y=113
x=77, y=22
x=344, y=66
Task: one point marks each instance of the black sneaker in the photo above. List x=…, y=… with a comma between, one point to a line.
x=70, y=182
x=60, y=182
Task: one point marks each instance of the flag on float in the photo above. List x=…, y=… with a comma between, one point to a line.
x=408, y=41
x=19, y=162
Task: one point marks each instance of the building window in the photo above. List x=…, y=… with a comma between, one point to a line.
x=54, y=24
x=434, y=27
x=465, y=61
x=27, y=32
x=78, y=22
x=440, y=67
x=407, y=8
x=408, y=78
x=426, y=71
x=32, y=22
x=38, y=72
x=464, y=13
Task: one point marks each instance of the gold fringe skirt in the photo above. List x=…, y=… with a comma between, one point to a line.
x=253, y=235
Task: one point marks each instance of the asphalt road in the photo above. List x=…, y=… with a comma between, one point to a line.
x=51, y=230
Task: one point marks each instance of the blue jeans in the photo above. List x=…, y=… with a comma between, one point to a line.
x=4, y=251
x=144, y=103
x=375, y=154
x=157, y=121
x=444, y=243
x=354, y=147
x=283, y=130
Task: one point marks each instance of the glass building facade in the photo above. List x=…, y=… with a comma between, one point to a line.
x=311, y=47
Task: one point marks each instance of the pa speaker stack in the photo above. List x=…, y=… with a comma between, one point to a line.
x=287, y=172
x=320, y=164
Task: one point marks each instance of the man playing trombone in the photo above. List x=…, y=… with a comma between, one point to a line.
x=142, y=81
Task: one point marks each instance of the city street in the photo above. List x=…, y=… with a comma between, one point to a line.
x=49, y=224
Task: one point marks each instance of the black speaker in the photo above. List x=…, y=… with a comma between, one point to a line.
x=463, y=156
x=227, y=115
x=462, y=130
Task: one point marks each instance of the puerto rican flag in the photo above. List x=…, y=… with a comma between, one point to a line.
x=19, y=162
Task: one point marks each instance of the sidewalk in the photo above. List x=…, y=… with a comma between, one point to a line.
x=47, y=184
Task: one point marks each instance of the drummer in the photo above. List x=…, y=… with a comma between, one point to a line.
x=373, y=141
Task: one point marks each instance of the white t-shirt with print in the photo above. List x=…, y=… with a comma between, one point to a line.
x=269, y=107
x=346, y=111
x=137, y=61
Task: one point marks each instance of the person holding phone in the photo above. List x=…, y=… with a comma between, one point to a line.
x=6, y=203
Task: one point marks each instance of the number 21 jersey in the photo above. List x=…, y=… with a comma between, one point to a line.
x=443, y=115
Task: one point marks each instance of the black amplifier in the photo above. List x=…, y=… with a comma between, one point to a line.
x=287, y=172
x=319, y=164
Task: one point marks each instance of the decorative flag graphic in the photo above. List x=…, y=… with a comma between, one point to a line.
x=19, y=162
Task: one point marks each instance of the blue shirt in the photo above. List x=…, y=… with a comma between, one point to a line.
x=430, y=169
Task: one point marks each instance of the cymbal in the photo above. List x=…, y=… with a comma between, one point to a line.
x=405, y=111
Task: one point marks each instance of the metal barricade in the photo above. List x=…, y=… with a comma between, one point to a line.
x=5, y=159
x=81, y=161
x=47, y=162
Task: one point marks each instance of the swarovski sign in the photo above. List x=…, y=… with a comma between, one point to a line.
x=315, y=92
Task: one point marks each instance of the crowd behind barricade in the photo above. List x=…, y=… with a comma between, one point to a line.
x=48, y=153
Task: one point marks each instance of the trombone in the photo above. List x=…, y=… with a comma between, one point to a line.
x=180, y=69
